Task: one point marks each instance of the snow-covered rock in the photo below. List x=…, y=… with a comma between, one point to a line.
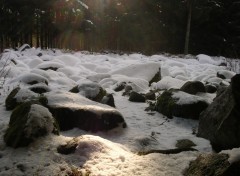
x=180, y=104
x=28, y=122
x=90, y=90
x=75, y=111
x=168, y=83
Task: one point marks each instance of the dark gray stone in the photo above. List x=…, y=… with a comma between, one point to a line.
x=210, y=88
x=193, y=87
x=220, y=122
x=185, y=143
x=120, y=87
x=11, y=101
x=219, y=75
x=220, y=90
x=136, y=97
x=127, y=90
x=156, y=78
x=39, y=88
x=108, y=100
x=86, y=119
x=150, y=95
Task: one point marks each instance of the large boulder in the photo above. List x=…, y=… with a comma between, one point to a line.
x=75, y=111
x=220, y=122
x=180, y=104
x=28, y=122
x=193, y=87
x=208, y=165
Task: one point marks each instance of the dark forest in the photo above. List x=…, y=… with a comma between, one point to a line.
x=147, y=26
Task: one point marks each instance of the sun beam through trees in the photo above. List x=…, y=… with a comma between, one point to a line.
x=147, y=26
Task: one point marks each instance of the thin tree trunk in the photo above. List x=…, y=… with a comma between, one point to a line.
x=186, y=47
x=1, y=43
x=37, y=30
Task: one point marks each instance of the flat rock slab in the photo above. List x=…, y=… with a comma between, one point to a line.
x=75, y=111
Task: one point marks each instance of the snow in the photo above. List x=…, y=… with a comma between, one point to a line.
x=168, y=82
x=25, y=95
x=88, y=89
x=35, y=62
x=75, y=101
x=114, y=152
x=204, y=59
x=137, y=84
x=98, y=77
x=142, y=71
x=184, y=98
x=105, y=158
x=50, y=64
x=29, y=77
x=234, y=155
x=226, y=73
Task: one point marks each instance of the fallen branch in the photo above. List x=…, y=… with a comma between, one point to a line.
x=168, y=151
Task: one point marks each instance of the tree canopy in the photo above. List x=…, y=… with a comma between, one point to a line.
x=147, y=26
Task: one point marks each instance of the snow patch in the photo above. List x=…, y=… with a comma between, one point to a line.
x=168, y=83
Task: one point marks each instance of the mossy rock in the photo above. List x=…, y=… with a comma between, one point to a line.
x=136, y=97
x=208, y=165
x=165, y=103
x=100, y=95
x=25, y=126
x=11, y=101
x=185, y=143
x=168, y=106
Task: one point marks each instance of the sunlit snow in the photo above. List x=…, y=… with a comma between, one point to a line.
x=114, y=152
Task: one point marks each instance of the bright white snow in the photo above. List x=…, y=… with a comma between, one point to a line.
x=114, y=152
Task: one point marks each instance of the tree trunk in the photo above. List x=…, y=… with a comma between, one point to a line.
x=186, y=46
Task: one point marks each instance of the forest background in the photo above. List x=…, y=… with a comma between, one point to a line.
x=147, y=26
